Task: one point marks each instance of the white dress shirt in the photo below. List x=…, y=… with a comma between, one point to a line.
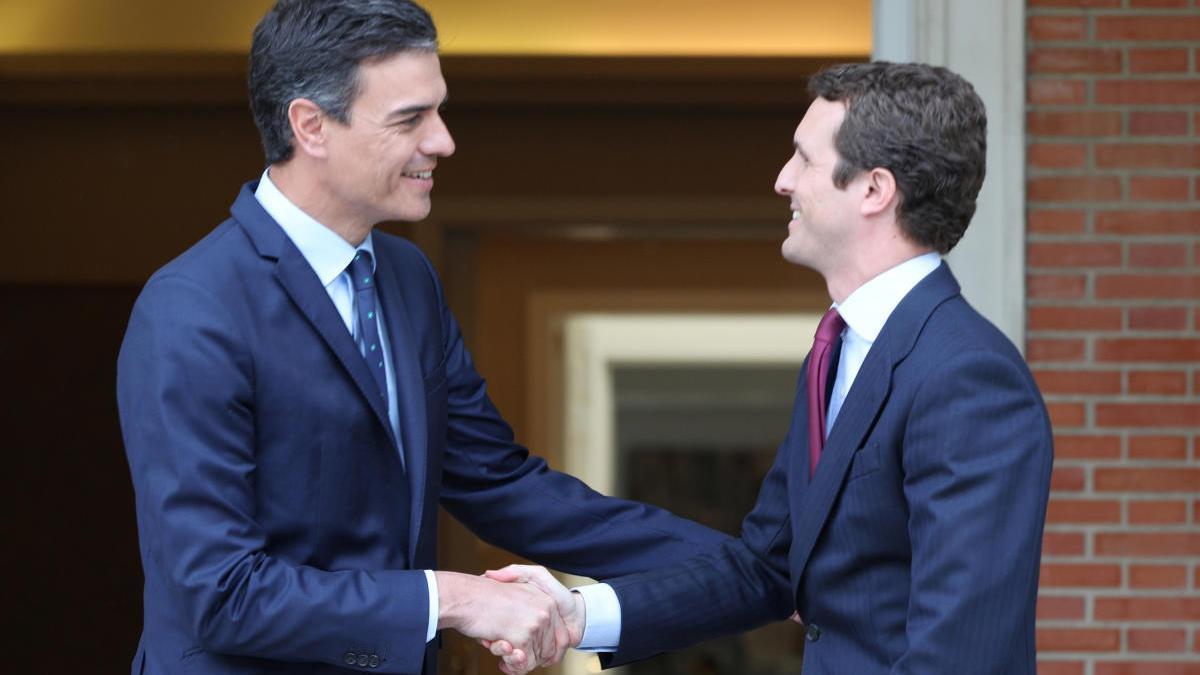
x=865, y=312
x=329, y=255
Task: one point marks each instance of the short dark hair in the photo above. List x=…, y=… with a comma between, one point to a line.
x=312, y=49
x=923, y=123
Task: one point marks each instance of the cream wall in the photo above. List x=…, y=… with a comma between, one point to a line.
x=621, y=27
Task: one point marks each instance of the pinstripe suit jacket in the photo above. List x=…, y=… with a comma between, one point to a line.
x=915, y=547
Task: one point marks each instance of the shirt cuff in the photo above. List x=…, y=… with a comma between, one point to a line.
x=434, y=608
x=602, y=622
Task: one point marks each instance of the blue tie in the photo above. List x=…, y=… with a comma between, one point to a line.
x=362, y=275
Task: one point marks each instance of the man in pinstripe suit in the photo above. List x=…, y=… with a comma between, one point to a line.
x=903, y=516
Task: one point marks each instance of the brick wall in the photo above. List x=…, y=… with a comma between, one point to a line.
x=1114, y=329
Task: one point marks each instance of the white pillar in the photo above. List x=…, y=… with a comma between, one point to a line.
x=985, y=43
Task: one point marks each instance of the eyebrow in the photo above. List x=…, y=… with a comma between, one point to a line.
x=800, y=150
x=414, y=109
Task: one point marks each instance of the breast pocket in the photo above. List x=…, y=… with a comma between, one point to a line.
x=865, y=462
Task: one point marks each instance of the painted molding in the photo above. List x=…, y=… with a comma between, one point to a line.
x=985, y=43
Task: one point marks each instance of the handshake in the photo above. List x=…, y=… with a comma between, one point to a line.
x=520, y=613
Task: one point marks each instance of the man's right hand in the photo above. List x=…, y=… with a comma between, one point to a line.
x=521, y=615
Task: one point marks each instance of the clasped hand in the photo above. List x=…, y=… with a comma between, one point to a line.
x=520, y=614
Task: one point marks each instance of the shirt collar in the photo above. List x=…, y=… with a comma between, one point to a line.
x=869, y=306
x=326, y=252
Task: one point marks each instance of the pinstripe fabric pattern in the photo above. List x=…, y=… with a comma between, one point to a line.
x=915, y=547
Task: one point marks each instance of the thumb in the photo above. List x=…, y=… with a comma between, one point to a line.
x=507, y=575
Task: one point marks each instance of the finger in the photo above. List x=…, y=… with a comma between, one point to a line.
x=507, y=575
x=500, y=648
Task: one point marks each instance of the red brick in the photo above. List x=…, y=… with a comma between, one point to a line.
x=1147, y=609
x=1158, y=318
x=1060, y=667
x=1148, y=286
x=1073, y=255
x=1062, y=543
x=1147, y=414
x=1074, y=123
x=1080, y=575
x=1078, y=381
x=1147, y=156
x=1158, y=447
x=1158, y=576
x=1148, y=222
x=1147, y=545
x=1156, y=28
x=1066, y=414
x=1158, y=255
x=1157, y=640
x=1074, y=60
x=1066, y=479
x=1057, y=287
x=1083, y=511
x=1148, y=349
x=1123, y=479
x=1067, y=92
x=1060, y=607
x=1057, y=155
x=1039, y=350
x=1056, y=221
x=1158, y=123
x=1079, y=639
x=1158, y=512
x=1147, y=668
x=1074, y=3
x=1074, y=189
x=1152, y=189
x=1072, y=446
x=1158, y=60
x=1057, y=27
x=1167, y=383
x=1074, y=318
x=1177, y=91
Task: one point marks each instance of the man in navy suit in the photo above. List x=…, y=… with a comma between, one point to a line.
x=296, y=399
x=902, y=518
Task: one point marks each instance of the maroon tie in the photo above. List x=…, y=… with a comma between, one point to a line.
x=828, y=332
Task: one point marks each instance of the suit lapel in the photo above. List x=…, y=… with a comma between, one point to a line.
x=854, y=422
x=304, y=288
x=301, y=283
x=410, y=386
x=810, y=508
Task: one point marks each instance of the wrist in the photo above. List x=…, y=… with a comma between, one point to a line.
x=578, y=619
x=452, y=598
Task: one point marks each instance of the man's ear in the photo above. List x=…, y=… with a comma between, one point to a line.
x=881, y=192
x=309, y=127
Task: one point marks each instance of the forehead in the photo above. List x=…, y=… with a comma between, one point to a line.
x=412, y=77
x=821, y=122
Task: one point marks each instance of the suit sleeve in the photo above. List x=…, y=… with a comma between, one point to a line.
x=741, y=585
x=977, y=456
x=186, y=397
x=511, y=499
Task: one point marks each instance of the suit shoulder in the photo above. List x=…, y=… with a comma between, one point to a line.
x=955, y=326
x=218, y=263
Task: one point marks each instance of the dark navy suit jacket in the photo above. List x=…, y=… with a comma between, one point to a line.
x=279, y=531
x=915, y=547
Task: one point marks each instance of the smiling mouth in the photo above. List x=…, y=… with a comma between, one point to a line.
x=795, y=215
x=420, y=175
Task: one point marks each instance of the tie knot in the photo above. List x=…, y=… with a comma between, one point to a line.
x=831, y=327
x=362, y=272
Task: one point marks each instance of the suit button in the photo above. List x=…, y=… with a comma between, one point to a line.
x=813, y=633
x=374, y=662
x=350, y=658
x=363, y=660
